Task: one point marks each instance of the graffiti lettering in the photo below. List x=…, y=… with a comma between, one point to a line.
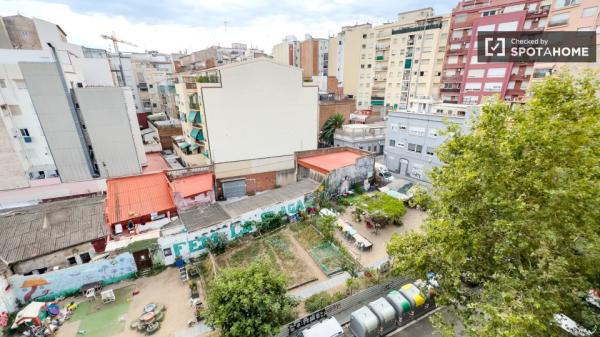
x=304, y=321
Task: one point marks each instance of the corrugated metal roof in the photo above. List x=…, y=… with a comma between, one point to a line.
x=193, y=185
x=136, y=196
x=33, y=231
x=203, y=216
x=326, y=163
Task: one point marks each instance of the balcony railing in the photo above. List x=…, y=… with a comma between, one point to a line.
x=453, y=79
x=360, y=134
x=190, y=85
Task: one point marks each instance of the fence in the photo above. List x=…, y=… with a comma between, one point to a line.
x=341, y=310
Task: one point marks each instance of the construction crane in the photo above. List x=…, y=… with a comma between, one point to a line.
x=116, y=42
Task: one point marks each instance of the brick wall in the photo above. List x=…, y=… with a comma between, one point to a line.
x=165, y=134
x=329, y=108
x=254, y=182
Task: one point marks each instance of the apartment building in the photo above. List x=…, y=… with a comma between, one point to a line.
x=345, y=52
x=50, y=131
x=571, y=15
x=367, y=137
x=464, y=80
x=404, y=61
x=314, y=58
x=218, y=55
x=230, y=133
x=412, y=136
x=287, y=52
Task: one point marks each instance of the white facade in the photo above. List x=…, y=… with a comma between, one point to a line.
x=255, y=97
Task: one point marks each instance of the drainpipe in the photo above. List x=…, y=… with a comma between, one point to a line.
x=74, y=113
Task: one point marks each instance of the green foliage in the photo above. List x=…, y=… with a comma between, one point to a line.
x=218, y=243
x=207, y=79
x=513, y=231
x=328, y=130
x=382, y=208
x=326, y=225
x=321, y=300
x=269, y=223
x=419, y=197
x=249, y=301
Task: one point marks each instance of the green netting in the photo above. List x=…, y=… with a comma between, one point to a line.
x=328, y=257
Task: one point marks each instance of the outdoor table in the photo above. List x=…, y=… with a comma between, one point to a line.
x=147, y=317
x=346, y=228
x=362, y=242
x=149, y=308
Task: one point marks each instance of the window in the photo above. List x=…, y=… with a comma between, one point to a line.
x=2, y=84
x=433, y=133
x=559, y=19
x=493, y=86
x=392, y=142
x=514, y=8
x=508, y=26
x=470, y=99
x=412, y=147
x=455, y=46
x=472, y=86
x=566, y=3
x=364, y=36
x=85, y=257
x=460, y=18
x=394, y=127
x=496, y=72
x=400, y=144
x=527, y=24
x=24, y=132
x=15, y=110
x=419, y=149
x=369, y=148
x=453, y=60
x=486, y=28
x=402, y=126
x=429, y=151
x=475, y=73
x=590, y=11
x=72, y=261
x=489, y=13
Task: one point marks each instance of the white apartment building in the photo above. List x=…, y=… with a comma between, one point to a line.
x=45, y=130
x=226, y=112
x=402, y=60
x=287, y=51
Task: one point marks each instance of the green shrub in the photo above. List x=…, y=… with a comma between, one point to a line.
x=326, y=225
x=419, y=197
x=318, y=301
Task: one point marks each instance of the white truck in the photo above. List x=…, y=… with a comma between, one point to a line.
x=383, y=174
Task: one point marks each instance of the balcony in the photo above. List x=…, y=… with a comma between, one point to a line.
x=363, y=134
x=381, y=68
x=380, y=79
x=379, y=58
x=382, y=47
x=194, y=106
x=515, y=92
x=452, y=79
x=519, y=76
x=459, y=51
x=540, y=13
x=450, y=89
x=459, y=65
x=190, y=86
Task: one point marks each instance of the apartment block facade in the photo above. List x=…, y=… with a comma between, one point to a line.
x=466, y=81
x=404, y=62
x=314, y=57
x=230, y=134
x=48, y=125
x=287, y=52
x=412, y=136
x=571, y=15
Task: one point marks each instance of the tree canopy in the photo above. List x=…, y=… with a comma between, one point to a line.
x=382, y=208
x=514, y=228
x=328, y=130
x=249, y=301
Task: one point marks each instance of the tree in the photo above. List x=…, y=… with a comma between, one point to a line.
x=328, y=130
x=249, y=301
x=382, y=208
x=514, y=229
x=419, y=197
x=326, y=225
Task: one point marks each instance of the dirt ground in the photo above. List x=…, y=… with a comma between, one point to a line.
x=165, y=288
x=412, y=221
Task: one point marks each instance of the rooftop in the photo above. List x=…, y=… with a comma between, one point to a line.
x=37, y=230
x=135, y=196
x=271, y=197
x=156, y=163
x=328, y=162
x=203, y=216
x=193, y=185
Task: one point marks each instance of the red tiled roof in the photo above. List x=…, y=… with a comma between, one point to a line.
x=156, y=163
x=326, y=163
x=136, y=196
x=193, y=185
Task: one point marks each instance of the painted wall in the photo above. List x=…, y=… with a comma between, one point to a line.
x=193, y=244
x=8, y=301
x=65, y=282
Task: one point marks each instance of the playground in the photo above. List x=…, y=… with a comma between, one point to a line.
x=94, y=319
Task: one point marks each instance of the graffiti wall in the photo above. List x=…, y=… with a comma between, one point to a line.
x=193, y=244
x=64, y=282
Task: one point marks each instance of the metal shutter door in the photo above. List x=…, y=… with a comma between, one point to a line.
x=235, y=188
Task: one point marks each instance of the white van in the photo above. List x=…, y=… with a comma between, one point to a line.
x=382, y=173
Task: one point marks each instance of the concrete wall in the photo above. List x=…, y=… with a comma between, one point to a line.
x=268, y=96
x=59, y=125
x=67, y=281
x=106, y=117
x=12, y=174
x=8, y=300
x=359, y=172
x=253, y=166
x=96, y=72
x=55, y=259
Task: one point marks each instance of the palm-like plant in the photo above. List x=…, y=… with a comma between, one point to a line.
x=331, y=124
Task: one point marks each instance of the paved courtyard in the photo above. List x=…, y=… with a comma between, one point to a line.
x=412, y=221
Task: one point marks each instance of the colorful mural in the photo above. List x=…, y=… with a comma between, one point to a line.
x=64, y=282
x=193, y=244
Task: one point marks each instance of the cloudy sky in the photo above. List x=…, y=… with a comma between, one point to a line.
x=177, y=25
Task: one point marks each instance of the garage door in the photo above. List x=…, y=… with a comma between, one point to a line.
x=234, y=188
